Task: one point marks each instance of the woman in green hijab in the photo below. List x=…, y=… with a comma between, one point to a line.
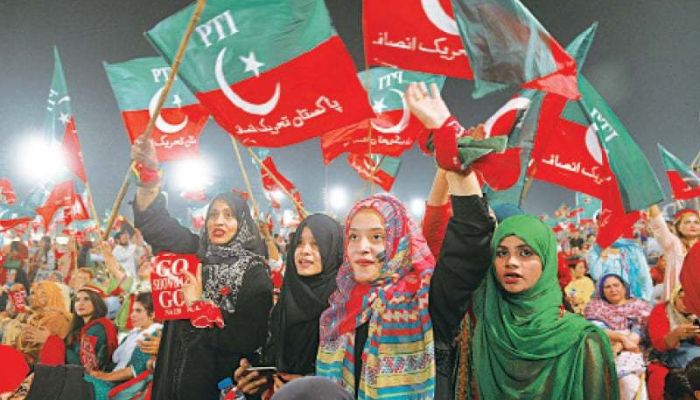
x=524, y=345
x=512, y=339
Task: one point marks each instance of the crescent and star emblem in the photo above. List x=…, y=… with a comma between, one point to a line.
x=249, y=107
x=405, y=117
x=163, y=125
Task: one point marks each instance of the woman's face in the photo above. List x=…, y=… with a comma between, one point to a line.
x=222, y=224
x=518, y=267
x=140, y=318
x=680, y=304
x=689, y=226
x=307, y=256
x=614, y=290
x=145, y=269
x=579, y=270
x=366, y=240
x=38, y=298
x=83, y=305
x=79, y=280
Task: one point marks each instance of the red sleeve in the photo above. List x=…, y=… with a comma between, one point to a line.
x=434, y=227
x=53, y=352
x=658, y=327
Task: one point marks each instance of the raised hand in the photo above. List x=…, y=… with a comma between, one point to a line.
x=428, y=107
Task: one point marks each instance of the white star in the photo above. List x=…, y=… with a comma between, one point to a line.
x=251, y=64
x=65, y=118
x=177, y=101
x=378, y=106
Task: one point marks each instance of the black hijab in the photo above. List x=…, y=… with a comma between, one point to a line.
x=294, y=322
x=224, y=266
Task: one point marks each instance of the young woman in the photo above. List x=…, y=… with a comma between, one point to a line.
x=234, y=280
x=128, y=359
x=674, y=337
x=624, y=319
x=376, y=337
x=516, y=342
x=580, y=290
x=315, y=254
x=675, y=246
x=92, y=337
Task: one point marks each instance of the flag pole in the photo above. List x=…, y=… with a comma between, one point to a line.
x=93, y=211
x=368, y=84
x=526, y=189
x=277, y=181
x=156, y=112
x=245, y=175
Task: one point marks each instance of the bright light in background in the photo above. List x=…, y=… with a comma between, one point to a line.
x=417, y=207
x=337, y=198
x=39, y=160
x=193, y=174
x=278, y=195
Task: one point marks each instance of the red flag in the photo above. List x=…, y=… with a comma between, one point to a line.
x=267, y=171
x=684, y=182
x=567, y=153
x=385, y=168
x=72, y=154
x=613, y=222
x=414, y=35
x=7, y=194
x=62, y=195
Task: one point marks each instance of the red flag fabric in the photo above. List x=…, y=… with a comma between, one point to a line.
x=685, y=183
x=72, y=154
x=267, y=171
x=567, y=153
x=613, y=221
x=414, y=35
x=7, y=193
x=62, y=195
x=385, y=169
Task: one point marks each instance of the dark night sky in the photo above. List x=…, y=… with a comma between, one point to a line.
x=645, y=61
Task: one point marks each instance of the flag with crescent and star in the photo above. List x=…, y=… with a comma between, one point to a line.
x=385, y=168
x=137, y=85
x=60, y=122
x=685, y=184
x=272, y=73
x=62, y=197
x=393, y=130
x=589, y=205
x=507, y=46
x=414, y=35
x=522, y=118
x=7, y=193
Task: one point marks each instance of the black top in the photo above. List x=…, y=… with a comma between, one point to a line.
x=464, y=260
x=294, y=324
x=191, y=361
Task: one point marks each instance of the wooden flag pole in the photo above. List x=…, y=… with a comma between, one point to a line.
x=245, y=175
x=93, y=211
x=277, y=181
x=156, y=112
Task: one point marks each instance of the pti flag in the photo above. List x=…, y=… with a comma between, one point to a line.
x=14, y=215
x=685, y=184
x=414, y=35
x=289, y=82
x=62, y=196
x=590, y=207
x=381, y=170
x=137, y=85
x=393, y=130
x=273, y=181
x=522, y=115
x=7, y=194
x=60, y=123
x=507, y=45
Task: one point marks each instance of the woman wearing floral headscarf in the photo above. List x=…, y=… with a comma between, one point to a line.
x=234, y=280
x=376, y=337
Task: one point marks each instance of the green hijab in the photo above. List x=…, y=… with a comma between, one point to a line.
x=522, y=347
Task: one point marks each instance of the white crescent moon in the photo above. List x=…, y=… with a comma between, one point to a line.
x=437, y=15
x=593, y=145
x=518, y=103
x=251, y=108
x=162, y=124
x=405, y=117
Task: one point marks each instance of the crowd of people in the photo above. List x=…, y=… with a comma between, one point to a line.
x=477, y=300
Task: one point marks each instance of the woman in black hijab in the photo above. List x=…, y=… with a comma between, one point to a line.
x=191, y=361
x=313, y=259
